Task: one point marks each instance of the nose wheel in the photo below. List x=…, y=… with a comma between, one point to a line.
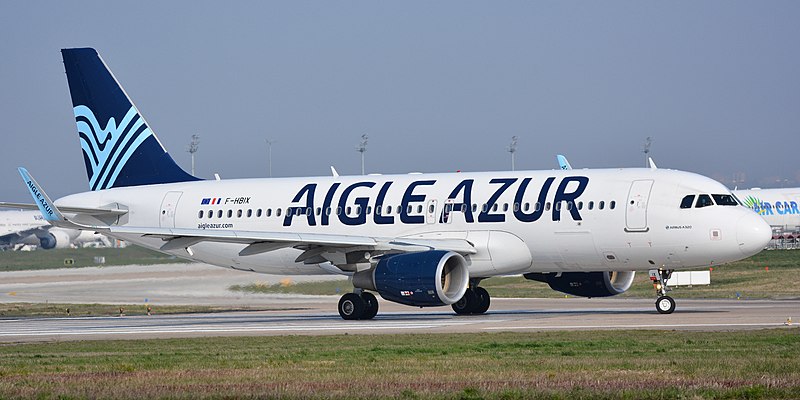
x=664, y=304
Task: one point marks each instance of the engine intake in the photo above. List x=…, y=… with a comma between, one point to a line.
x=587, y=284
x=423, y=279
x=55, y=239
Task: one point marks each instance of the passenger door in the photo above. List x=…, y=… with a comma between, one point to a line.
x=168, y=207
x=636, y=206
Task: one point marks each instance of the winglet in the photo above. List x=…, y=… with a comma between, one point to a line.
x=46, y=206
x=652, y=163
x=563, y=163
x=334, y=172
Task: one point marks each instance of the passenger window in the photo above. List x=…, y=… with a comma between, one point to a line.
x=419, y=209
x=474, y=207
x=687, y=201
x=704, y=200
x=724, y=200
x=309, y=210
x=388, y=210
x=557, y=206
x=238, y=213
x=358, y=210
x=378, y=209
x=569, y=205
x=249, y=213
x=547, y=206
x=210, y=213
x=601, y=205
x=505, y=207
x=430, y=208
x=494, y=207
x=527, y=206
x=591, y=205
x=319, y=210
x=327, y=211
x=230, y=213
x=258, y=213
x=200, y=214
x=219, y=214
x=400, y=209
x=580, y=205
x=612, y=204
x=269, y=212
x=348, y=210
x=369, y=210
x=278, y=212
x=516, y=207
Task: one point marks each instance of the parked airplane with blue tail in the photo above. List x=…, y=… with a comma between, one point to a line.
x=418, y=239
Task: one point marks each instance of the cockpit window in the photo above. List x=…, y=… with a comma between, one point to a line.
x=703, y=200
x=737, y=200
x=687, y=201
x=724, y=200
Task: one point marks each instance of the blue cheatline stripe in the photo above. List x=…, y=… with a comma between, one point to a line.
x=128, y=151
x=97, y=149
x=119, y=140
x=127, y=137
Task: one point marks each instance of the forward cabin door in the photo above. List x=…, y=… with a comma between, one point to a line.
x=636, y=206
x=168, y=207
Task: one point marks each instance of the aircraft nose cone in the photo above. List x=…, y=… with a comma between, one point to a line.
x=752, y=233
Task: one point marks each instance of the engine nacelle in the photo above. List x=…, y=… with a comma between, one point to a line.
x=587, y=284
x=54, y=239
x=423, y=279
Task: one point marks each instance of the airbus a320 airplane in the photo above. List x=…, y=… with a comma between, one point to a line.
x=419, y=239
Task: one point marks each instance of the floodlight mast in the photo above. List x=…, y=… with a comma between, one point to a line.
x=362, y=148
x=647, y=143
x=512, y=148
x=193, y=146
x=270, y=142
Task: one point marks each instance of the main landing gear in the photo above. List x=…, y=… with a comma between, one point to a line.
x=476, y=300
x=358, y=305
x=664, y=303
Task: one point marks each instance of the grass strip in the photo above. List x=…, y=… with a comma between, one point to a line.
x=542, y=365
x=59, y=258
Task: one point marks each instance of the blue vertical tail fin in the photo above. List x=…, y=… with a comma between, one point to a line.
x=119, y=148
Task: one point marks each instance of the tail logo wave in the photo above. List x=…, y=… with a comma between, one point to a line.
x=108, y=148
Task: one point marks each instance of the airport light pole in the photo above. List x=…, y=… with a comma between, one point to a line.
x=193, y=146
x=269, y=151
x=512, y=148
x=362, y=148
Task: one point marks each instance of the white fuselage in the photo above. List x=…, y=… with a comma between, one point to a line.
x=779, y=207
x=606, y=220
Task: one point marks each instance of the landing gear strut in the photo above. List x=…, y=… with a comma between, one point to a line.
x=664, y=303
x=358, y=305
x=476, y=300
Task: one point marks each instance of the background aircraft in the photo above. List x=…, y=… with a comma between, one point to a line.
x=29, y=227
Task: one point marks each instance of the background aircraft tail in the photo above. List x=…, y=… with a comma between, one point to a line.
x=119, y=149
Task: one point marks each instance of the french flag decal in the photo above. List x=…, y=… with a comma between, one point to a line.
x=211, y=201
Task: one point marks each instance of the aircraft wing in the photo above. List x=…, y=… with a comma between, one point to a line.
x=15, y=237
x=68, y=209
x=317, y=246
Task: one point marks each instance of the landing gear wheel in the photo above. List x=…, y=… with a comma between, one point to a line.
x=351, y=306
x=665, y=305
x=482, y=305
x=371, y=305
x=466, y=304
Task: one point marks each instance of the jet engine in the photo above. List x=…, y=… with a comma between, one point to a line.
x=586, y=284
x=423, y=279
x=54, y=239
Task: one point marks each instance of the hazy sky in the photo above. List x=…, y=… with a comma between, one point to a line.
x=437, y=85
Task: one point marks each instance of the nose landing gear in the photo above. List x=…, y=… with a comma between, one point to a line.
x=664, y=304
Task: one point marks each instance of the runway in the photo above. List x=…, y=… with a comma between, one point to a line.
x=320, y=318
